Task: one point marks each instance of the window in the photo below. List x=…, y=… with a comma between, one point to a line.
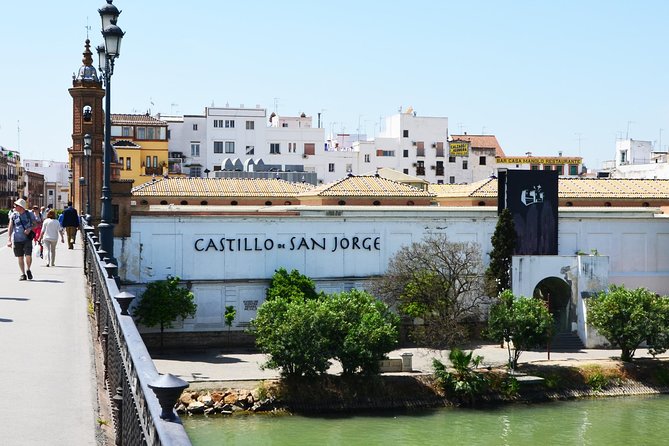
x=440, y=168
x=218, y=123
x=534, y=167
x=331, y=167
x=148, y=162
x=349, y=168
x=229, y=124
x=274, y=148
x=126, y=131
x=560, y=169
x=406, y=171
x=573, y=169
x=218, y=146
x=451, y=180
x=440, y=149
x=420, y=148
x=309, y=148
x=120, y=161
x=250, y=150
x=292, y=147
x=194, y=127
x=623, y=156
x=420, y=167
x=451, y=159
x=440, y=181
x=229, y=147
x=367, y=158
x=195, y=172
x=381, y=152
x=141, y=132
x=482, y=160
x=405, y=153
x=405, y=133
x=155, y=161
x=128, y=166
x=548, y=167
x=250, y=125
x=465, y=164
x=195, y=149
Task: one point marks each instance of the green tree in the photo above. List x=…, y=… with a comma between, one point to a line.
x=498, y=273
x=439, y=284
x=162, y=302
x=293, y=285
x=524, y=321
x=296, y=334
x=629, y=317
x=229, y=316
x=365, y=330
x=465, y=381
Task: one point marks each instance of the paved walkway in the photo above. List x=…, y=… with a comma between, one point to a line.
x=219, y=365
x=47, y=379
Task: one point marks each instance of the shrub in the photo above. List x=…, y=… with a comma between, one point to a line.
x=465, y=382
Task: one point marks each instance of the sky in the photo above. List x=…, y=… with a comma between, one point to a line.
x=566, y=76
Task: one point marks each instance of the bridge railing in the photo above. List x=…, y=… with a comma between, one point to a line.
x=142, y=399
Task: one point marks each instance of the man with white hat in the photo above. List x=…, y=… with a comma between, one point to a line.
x=21, y=225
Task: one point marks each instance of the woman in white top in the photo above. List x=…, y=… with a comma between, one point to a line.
x=50, y=230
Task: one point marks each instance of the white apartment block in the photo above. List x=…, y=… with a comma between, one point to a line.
x=56, y=180
x=636, y=159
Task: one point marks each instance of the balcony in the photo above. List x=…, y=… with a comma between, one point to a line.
x=153, y=170
x=420, y=171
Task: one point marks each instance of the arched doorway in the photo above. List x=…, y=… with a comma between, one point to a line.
x=557, y=293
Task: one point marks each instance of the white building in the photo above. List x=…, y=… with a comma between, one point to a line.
x=228, y=254
x=56, y=180
x=637, y=159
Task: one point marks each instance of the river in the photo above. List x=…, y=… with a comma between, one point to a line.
x=600, y=421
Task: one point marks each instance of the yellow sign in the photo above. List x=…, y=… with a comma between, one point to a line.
x=458, y=148
x=536, y=160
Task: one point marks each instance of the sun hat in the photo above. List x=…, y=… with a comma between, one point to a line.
x=21, y=202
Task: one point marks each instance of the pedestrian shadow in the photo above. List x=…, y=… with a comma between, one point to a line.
x=206, y=358
x=20, y=299
x=2, y=319
x=47, y=281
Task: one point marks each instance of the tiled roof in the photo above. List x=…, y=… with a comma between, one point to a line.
x=366, y=186
x=618, y=188
x=395, y=175
x=127, y=119
x=219, y=187
x=482, y=142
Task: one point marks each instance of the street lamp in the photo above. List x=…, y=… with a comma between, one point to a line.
x=107, y=54
x=87, y=154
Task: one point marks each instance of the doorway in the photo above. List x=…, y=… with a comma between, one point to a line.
x=557, y=294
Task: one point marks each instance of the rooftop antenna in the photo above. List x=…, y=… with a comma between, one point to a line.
x=276, y=105
x=18, y=134
x=172, y=105
x=88, y=27
x=483, y=130
x=629, y=123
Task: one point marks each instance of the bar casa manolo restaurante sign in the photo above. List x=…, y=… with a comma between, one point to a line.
x=328, y=244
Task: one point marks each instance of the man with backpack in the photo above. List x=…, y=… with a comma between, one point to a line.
x=21, y=231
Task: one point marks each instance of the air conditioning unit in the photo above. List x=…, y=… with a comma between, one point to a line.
x=304, y=155
x=415, y=164
x=433, y=167
x=434, y=145
x=413, y=143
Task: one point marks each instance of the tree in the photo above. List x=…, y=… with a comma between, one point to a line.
x=498, y=273
x=296, y=334
x=629, y=317
x=365, y=330
x=293, y=285
x=162, y=302
x=524, y=321
x=440, y=283
x=229, y=316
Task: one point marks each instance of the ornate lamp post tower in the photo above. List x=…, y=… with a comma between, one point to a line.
x=107, y=55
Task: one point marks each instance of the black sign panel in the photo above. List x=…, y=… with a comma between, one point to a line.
x=532, y=198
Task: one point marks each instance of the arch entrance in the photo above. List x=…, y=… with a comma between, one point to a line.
x=556, y=292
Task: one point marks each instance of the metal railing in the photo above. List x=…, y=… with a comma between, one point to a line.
x=142, y=399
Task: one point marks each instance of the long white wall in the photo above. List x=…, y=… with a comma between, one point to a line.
x=230, y=258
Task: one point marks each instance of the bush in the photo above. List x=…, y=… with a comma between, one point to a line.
x=4, y=217
x=365, y=331
x=629, y=317
x=464, y=382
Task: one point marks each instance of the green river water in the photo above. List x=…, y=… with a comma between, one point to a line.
x=603, y=421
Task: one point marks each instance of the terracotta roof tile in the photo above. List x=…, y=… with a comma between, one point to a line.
x=482, y=142
x=366, y=186
x=219, y=187
x=128, y=119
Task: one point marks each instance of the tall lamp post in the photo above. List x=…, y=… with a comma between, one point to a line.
x=107, y=54
x=87, y=154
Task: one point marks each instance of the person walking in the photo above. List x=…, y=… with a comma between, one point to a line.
x=70, y=222
x=38, y=230
x=20, y=237
x=50, y=230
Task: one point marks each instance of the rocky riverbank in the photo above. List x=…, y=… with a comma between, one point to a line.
x=331, y=393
